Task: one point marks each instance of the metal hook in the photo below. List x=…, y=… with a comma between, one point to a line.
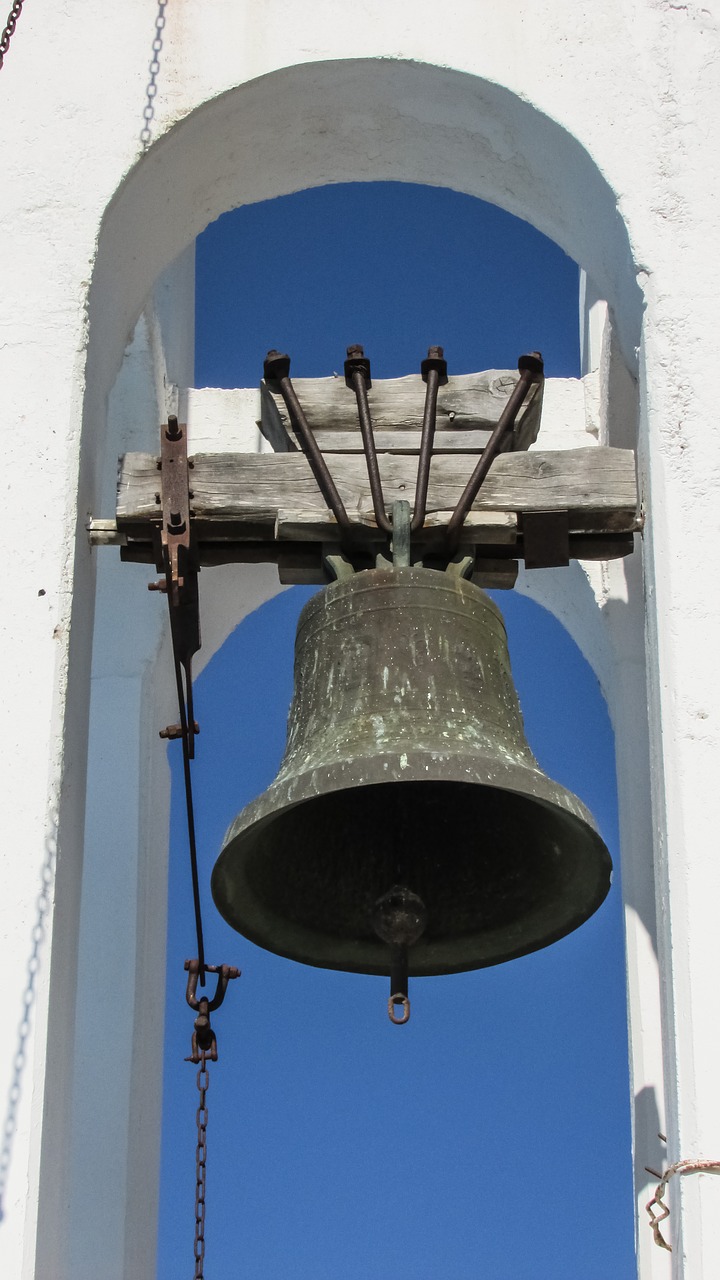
x=224, y=974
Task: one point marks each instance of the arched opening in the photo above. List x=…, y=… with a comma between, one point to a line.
x=460, y=132
x=319, y=1117
x=339, y=1145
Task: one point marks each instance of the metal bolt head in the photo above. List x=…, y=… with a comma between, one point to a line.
x=532, y=363
x=357, y=362
x=276, y=366
x=435, y=360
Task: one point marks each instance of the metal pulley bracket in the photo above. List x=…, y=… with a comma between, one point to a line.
x=174, y=552
x=176, y=557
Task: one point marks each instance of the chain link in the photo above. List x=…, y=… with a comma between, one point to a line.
x=19, y=1062
x=203, y=1084
x=154, y=69
x=9, y=31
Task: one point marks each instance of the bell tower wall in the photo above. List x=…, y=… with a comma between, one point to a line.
x=598, y=129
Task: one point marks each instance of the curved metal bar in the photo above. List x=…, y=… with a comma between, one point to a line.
x=319, y=466
x=277, y=368
x=434, y=371
x=531, y=370
x=359, y=386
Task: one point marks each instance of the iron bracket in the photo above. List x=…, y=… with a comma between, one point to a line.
x=176, y=557
x=546, y=539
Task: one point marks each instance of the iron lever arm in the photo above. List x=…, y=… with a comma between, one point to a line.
x=434, y=375
x=357, y=377
x=277, y=369
x=531, y=370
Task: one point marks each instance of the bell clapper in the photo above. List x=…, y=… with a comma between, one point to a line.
x=399, y=986
x=399, y=919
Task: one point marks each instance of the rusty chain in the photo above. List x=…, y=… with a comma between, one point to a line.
x=9, y=31
x=154, y=69
x=203, y=1084
x=203, y=1051
x=657, y=1202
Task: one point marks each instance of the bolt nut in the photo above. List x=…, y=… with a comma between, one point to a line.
x=532, y=363
x=357, y=362
x=435, y=360
x=276, y=366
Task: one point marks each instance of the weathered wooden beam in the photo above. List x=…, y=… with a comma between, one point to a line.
x=404, y=441
x=243, y=495
x=468, y=408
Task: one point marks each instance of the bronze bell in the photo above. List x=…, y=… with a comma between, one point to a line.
x=409, y=813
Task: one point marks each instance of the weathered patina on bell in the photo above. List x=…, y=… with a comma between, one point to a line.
x=408, y=786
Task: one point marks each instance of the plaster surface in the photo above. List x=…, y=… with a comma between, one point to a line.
x=600, y=131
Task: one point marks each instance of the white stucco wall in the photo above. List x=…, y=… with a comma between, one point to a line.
x=597, y=126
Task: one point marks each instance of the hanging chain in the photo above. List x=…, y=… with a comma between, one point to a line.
x=203, y=1084
x=154, y=69
x=203, y=1050
x=29, y=997
x=9, y=31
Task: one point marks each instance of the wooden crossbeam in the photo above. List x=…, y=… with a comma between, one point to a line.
x=237, y=495
x=267, y=507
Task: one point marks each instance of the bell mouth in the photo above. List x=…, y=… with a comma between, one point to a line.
x=503, y=869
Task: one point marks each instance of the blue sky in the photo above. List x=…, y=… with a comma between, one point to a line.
x=472, y=1141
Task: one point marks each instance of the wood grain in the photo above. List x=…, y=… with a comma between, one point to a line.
x=468, y=409
x=243, y=495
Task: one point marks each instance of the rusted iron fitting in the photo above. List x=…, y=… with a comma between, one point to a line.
x=436, y=362
x=173, y=731
x=532, y=363
x=399, y=999
x=204, y=1041
x=357, y=362
x=276, y=366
